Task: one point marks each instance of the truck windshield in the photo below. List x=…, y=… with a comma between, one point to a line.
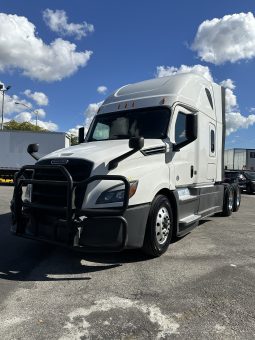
x=147, y=123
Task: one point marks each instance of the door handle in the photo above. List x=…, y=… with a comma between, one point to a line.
x=191, y=171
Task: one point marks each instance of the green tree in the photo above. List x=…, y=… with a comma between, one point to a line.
x=25, y=126
x=74, y=140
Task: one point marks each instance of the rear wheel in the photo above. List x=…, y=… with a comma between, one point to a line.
x=228, y=200
x=159, y=228
x=237, y=197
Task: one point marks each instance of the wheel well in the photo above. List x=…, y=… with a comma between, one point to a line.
x=172, y=199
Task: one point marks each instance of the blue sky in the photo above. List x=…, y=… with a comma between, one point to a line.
x=129, y=41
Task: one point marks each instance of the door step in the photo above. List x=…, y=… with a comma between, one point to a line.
x=188, y=221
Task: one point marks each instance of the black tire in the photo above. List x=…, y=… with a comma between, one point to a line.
x=228, y=200
x=237, y=197
x=159, y=226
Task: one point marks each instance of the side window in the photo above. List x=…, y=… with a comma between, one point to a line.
x=181, y=128
x=252, y=154
x=101, y=132
x=209, y=96
x=212, y=140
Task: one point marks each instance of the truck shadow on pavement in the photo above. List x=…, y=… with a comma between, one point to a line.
x=29, y=260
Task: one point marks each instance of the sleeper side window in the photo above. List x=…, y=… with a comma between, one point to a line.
x=212, y=140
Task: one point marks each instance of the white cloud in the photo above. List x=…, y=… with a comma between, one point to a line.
x=29, y=117
x=74, y=131
x=163, y=71
x=228, y=83
x=21, y=48
x=23, y=117
x=234, y=119
x=102, y=89
x=40, y=113
x=58, y=22
x=230, y=38
x=49, y=125
x=10, y=106
x=89, y=113
x=16, y=112
x=39, y=97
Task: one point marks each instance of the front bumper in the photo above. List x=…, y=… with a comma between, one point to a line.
x=88, y=230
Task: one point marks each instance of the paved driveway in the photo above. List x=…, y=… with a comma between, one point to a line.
x=202, y=288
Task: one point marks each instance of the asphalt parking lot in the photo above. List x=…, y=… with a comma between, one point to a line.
x=202, y=288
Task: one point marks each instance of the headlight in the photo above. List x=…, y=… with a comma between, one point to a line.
x=116, y=194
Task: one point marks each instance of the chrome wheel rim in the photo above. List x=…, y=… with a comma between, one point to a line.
x=162, y=225
x=238, y=198
x=231, y=200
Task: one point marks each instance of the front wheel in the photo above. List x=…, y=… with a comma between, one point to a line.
x=159, y=227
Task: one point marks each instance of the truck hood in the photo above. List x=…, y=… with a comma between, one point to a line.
x=102, y=151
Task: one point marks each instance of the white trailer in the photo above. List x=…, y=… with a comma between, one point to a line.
x=13, y=151
x=150, y=168
x=240, y=159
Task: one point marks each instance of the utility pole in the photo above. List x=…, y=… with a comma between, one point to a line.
x=3, y=89
x=33, y=111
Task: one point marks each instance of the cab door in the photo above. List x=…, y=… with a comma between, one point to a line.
x=183, y=134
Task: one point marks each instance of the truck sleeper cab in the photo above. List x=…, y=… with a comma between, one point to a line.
x=149, y=169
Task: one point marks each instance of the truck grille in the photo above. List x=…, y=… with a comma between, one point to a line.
x=56, y=196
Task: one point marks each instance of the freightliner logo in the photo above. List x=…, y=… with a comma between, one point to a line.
x=59, y=161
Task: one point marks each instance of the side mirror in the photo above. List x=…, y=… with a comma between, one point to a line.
x=136, y=143
x=33, y=148
x=81, y=135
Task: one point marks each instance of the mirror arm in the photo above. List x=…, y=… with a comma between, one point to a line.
x=114, y=162
x=32, y=149
x=176, y=148
x=34, y=156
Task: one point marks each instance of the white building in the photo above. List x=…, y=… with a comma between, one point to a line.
x=239, y=159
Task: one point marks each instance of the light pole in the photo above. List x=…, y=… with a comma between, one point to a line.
x=33, y=111
x=3, y=89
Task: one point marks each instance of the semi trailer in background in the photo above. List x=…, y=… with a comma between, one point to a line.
x=13, y=148
x=239, y=159
x=149, y=169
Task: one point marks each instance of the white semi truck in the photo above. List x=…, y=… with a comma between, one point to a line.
x=150, y=168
